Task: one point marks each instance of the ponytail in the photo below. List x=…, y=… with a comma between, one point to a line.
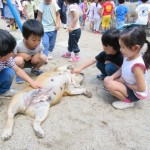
x=146, y=56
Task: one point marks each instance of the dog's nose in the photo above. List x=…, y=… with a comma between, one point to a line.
x=82, y=74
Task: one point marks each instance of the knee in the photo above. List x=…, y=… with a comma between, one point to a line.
x=19, y=61
x=42, y=58
x=9, y=73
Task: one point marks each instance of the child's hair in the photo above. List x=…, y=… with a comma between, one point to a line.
x=32, y=26
x=121, y=1
x=135, y=35
x=73, y=1
x=143, y=1
x=7, y=43
x=111, y=38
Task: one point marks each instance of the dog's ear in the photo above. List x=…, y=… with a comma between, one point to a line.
x=70, y=67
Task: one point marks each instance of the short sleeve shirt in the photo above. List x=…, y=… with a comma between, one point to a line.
x=116, y=59
x=9, y=63
x=21, y=48
x=47, y=18
x=108, y=8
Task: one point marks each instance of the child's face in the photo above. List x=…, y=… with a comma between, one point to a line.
x=33, y=41
x=128, y=52
x=4, y=58
x=109, y=50
x=48, y=1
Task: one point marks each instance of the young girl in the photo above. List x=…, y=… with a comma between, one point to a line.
x=97, y=11
x=129, y=83
x=29, y=8
x=109, y=60
x=74, y=30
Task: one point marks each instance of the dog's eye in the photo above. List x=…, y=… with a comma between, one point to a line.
x=82, y=74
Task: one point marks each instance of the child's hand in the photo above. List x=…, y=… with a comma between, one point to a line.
x=35, y=59
x=70, y=29
x=77, y=71
x=36, y=85
x=57, y=26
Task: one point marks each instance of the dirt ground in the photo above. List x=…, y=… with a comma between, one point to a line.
x=80, y=123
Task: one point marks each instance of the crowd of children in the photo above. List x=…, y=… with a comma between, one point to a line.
x=122, y=67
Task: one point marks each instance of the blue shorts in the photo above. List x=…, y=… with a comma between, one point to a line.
x=131, y=95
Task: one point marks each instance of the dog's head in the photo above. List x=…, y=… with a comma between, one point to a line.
x=77, y=80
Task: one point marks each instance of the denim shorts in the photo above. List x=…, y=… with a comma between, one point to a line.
x=131, y=95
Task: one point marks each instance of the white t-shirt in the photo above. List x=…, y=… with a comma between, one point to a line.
x=21, y=48
x=73, y=7
x=90, y=10
x=1, y=4
x=143, y=10
x=96, y=9
x=47, y=18
x=128, y=76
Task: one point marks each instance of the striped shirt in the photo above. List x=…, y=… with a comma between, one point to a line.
x=9, y=63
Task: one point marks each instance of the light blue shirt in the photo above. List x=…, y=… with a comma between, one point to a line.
x=47, y=18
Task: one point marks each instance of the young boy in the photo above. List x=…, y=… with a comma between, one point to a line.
x=48, y=13
x=109, y=60
x=29, y=51
x=8, y=67
x=121, y=13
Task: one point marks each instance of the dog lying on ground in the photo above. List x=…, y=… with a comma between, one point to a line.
x=36, y=102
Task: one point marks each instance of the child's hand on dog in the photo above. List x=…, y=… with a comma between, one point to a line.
x=36, y=85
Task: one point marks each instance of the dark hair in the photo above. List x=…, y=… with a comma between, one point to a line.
x=7, y=43
x=72, y=1
x=111, y=38
x=143, y=1
x=32, y=26
x=135, y=35
x=121, y=1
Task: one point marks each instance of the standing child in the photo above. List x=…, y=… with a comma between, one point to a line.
x=97, y=12
x=129, y=83
x=29, y=51
x=109, y=60
x=48, y=13
x=121, y=13
x=74, y=30
x=29, y=8
x=8, y=67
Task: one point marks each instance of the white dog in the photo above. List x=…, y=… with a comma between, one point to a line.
x=36, y=102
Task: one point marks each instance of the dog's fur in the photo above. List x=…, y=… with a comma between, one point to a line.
x=36, y=102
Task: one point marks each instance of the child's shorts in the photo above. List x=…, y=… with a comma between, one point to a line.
x=28, y=64
x=106, y=21
x=131, y=95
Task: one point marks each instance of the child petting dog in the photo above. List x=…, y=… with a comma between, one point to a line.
x=8, y=68
x=29, y=51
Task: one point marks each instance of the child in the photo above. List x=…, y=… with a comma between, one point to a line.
x=29, y=8
x=129, y=83
x=48, y=13
x=143, y=13
x=29, y=51
x=90, y=14
x=107, y=15
x=109, y=60
x=97, y=11
x=121, y=13
x=74, y=30
x=8, y=67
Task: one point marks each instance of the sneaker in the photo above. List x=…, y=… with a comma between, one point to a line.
x=19, y=80
x=122, y=105
x=67, y=55
x=36, y=72
x=9, y=93
x=74, y=59
x=101, y=76
x=50, y=55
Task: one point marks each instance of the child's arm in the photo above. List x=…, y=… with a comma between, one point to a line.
x=25, y=77
x=85, y=65
x=57, y=20
x=75, y=19
x=140, y=85
x=116, y=74
x=39, y=17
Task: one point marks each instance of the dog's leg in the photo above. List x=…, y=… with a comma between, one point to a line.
x=9, y=126
x=39, y=118
x=79, y=91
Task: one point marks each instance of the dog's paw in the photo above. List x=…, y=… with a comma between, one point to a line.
x=39, y=133
x=88, y=94
x=6, y=134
